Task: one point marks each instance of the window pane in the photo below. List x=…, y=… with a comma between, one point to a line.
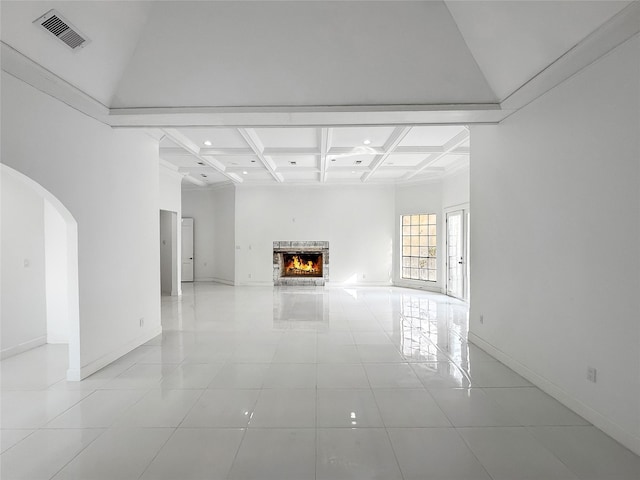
x=432, y=275
x=424, y=275
x=406, y=230
x=423, y=241
x=406, y=240
x=432, y=240
x=406, y=219
x=414, y=262
x=406, y=251
x=432, y=229
x=424, y=252
x=432, y=218
x=432, y=251
x=415, y=251
x=406, y=261
x=415, y=219
x=415, y=229
x=406, y=273
x=415, y=273
x=431, y=263
x=415, y=241
x=424, y=230
x=422, y=262
x=424, y=219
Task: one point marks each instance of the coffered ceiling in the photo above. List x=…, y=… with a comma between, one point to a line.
x=316, y=155
x=289, y=91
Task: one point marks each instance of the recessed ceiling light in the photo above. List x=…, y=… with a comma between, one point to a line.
x=244, y=172
x=253, y=161
x=200, y=163
x=367, y=141
x=208, y=143
x=333, y=159
x=293, y=162
x=203, y=175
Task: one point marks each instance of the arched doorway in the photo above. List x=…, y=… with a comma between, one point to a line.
x=54, y=233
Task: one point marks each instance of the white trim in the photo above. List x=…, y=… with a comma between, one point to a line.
x=74, y=375
x=617, y=432
x=23, y=347
x=214, y=280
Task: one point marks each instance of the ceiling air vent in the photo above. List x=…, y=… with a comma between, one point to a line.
x=56, y=24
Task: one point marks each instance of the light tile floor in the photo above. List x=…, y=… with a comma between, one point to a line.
x=297, y=383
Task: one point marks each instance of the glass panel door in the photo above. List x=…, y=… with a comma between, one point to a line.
x=456, y=254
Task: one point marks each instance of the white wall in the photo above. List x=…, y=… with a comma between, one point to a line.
x=456, y=189
x=56, y=273
x=555, y=241
x=213, y=213
x=23, y=298
x=419, y=198
x=108, y=180
x=224, y=234
x=357, y=222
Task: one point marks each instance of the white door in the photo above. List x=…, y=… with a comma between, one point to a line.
x=187, y=249
x=457, y=255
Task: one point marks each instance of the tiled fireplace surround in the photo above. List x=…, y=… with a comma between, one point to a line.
x=312, y=246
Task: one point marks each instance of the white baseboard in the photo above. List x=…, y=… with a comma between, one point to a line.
x=75, y=375
x=23, y=347
x=615, y=431
x=223, y=281
x=359, y=284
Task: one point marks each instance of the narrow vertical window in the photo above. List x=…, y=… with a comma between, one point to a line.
x=419, y=242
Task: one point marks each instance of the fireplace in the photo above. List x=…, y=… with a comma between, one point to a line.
x=300, y=263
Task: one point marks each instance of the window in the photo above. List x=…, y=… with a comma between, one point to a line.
x=419, y=247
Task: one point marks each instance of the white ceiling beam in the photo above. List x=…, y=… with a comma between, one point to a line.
x=183, y=141
x=448, y=148
x=253, y=140
x=174, y=152
x=326, y=137
x=394, y=140
x=410, y=150
x=290, y=151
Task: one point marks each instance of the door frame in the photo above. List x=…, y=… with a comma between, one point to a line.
x=464, y=208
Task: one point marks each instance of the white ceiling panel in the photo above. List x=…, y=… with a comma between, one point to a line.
x=348, y=160
x=355, y=136
x=289, y=137
x=237, y=160
x=219, y=137
x=431, y=135
x=300, y=161
x=405, y=160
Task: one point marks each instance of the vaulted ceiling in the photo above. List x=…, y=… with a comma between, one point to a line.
x=270, y=83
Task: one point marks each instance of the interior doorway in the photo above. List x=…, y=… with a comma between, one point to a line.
x=458, y=253
x=40, y=295
x=169, y=283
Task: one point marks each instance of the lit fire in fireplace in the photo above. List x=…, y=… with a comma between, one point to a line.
x=307, y=265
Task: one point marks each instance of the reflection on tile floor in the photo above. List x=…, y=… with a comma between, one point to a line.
x=297, y=383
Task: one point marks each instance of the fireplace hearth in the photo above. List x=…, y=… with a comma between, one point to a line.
x=300, y=263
